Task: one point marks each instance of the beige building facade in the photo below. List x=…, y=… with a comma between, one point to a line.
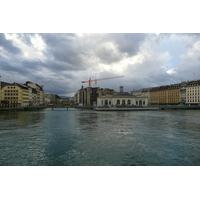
x=173, y=94
x=193, y=92
x=14, y=95
x=122, y=100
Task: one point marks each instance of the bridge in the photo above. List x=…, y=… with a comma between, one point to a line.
x=53, y=107
x=68, y=107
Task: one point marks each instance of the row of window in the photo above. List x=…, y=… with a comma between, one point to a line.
x=192, y=85
x=11, y=94
x=123, y=102
x=193, y=88
x=193, y=101
x=11, y=97
x=193, y=94
x=192, y=98
x=11, y=90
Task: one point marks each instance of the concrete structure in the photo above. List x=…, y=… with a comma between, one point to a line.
x=122, y=100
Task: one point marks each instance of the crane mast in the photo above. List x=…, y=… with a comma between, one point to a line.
x=95, y=80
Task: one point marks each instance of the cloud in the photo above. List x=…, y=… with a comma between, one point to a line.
x=8, y=45
x=61, y=61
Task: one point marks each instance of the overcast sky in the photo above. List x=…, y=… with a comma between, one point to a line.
x=61, y=61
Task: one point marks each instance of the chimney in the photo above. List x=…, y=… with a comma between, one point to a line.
x=0, y=82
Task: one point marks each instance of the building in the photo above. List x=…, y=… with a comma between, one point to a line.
x=36, y=94
x=167, y=95
x=145, y=92
x=14, y=95
x=88, y=96
x=122, y=100
x=193, y=92
x=21, y=95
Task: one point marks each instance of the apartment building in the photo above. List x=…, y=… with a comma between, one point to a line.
x=154, y=96
x=21, y=95
x=193, y=92
x=36, y=94
x=173, y=94
x=13, y=95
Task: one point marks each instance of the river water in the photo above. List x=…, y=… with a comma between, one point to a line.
x=100, y=138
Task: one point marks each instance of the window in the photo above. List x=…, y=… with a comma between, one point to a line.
x=118, y=101
x=106, y=102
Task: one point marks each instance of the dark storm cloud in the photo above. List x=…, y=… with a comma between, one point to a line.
x=21, y=67
x=63, y=49
x=105, y=48
x=8, y=45
x=129, y=42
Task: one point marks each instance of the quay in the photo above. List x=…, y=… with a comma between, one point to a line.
x=179, y=107
x=103, y=108
x=149, y=108
x=127, y=108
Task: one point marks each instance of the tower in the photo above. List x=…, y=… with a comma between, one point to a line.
x=121, y=89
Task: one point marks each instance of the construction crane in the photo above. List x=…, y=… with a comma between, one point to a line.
x=89, y=81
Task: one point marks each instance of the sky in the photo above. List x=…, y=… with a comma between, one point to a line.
x=60, y=61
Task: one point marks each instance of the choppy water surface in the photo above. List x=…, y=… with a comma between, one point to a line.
x=89, y=138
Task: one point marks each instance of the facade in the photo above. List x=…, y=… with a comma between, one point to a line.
x=88, y=96
x=145, y=92
x=122, y=100
x=193, y=92
x=183, y=93
x=167, y=95
x=14, y=95
x=36, y=94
